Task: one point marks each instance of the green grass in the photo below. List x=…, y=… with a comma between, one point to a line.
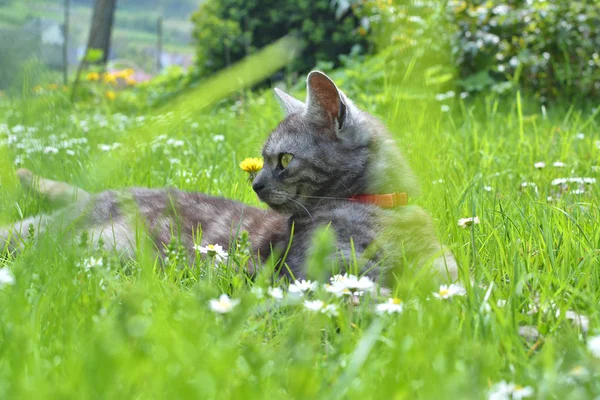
x=143, y=332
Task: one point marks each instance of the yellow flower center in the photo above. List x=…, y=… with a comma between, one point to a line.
x=396, y=300
x=444, y=292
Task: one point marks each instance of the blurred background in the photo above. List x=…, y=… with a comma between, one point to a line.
x=547, y=48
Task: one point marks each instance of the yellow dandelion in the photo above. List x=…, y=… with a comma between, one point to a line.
x=362, y=31
x=93, y=76
x=252, y=164
x=109, y=78
x=110, y=95
x=130, y=81
x=127, y=72
x=53, y=86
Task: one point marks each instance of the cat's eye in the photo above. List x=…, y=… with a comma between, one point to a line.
x=285, y=159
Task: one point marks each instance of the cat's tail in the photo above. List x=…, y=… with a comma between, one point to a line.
x=58, y=193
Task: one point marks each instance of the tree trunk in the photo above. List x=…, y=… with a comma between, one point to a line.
x=100, y=31
x=102, y=21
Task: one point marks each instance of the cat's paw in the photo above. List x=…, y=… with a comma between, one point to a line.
x=447, y=266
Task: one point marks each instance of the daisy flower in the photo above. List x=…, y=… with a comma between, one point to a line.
x=507, y=391
x=558, y=164
x=314, y=305
x=302, y=286
x=319, y=306
x=447, y=292
x=466, y=222
x=91, y=263
x=344, y=284
x=275, y=293
x=213, y=250
x=593, y=345
x=223, y=304
x=6, y=277
x=258, y=292
x=330, y=310
x=539, y=165
x=392, y=306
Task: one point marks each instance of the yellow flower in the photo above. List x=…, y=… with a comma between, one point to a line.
x=130, y=81
x=38, y=88
x=110, y=78
x=252, y=164
x=53, y=86
x=127, y=72
x=362, y=31
x=93, y=76
x=110, y=95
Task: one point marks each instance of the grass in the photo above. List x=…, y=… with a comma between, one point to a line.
x=139, y=331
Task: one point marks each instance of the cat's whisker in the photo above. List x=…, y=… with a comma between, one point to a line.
x=305, y=209
x=324, y=197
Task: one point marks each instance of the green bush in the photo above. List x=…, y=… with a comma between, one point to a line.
x=549, y=47
x=227, y=30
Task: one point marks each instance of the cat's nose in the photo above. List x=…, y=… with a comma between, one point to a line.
x=258, y=186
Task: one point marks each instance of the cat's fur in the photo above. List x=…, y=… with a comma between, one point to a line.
x=338, y=151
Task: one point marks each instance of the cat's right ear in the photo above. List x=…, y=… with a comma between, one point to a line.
x=290, y=104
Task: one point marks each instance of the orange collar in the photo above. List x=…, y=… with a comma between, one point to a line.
x=382, y=200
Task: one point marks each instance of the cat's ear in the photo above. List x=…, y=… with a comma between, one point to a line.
x=290, y=104
x=325, y=102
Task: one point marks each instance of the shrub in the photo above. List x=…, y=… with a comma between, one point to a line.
x=549, y=48
x=227, y=30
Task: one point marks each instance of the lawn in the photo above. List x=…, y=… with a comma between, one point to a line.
x=76, y=323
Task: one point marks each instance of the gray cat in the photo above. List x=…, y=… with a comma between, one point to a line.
x=321, y=163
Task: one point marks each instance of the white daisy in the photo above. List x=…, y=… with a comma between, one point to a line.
x=213, y=250
x=6, y=277
x=504, y=390
x=392, y=306
x=330, y=310
x=578, y=320
x=223, y=304
x=593, y=345
x=258, y=292
x=314, y=305
x=447, y=292
x=91, y=263
x=577, y=374
x=466, y=222
x=349, y=285
x=558, y=164
x=275, y=293
x=302, y=286
x=539, y=165
x=319, y=306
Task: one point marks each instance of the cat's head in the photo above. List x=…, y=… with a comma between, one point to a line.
x=325, y=148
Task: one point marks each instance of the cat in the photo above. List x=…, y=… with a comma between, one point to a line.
x=320, y=164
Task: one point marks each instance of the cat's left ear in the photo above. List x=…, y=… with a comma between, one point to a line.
x=325, y=102
x=290, y=104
